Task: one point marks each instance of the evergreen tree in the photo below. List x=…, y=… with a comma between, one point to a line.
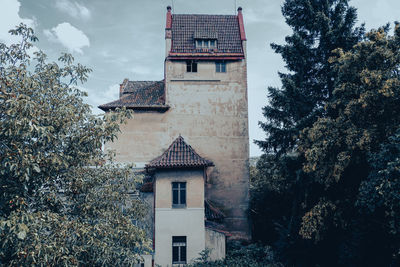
x=343, y=195
x=319, y=27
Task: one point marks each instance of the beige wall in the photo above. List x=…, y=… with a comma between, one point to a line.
x=188, y=221
x=209, y=110
x=194, y=187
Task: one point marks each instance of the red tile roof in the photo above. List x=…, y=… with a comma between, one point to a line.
x=143, y=95
x=212, y=213
x=224, y=28
x=217, y=227
x=179, y=155
x=147, y=187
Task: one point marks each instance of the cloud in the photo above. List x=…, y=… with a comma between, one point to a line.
x=254, y=16
x=73, y=9
x=69, y=36
x=141, y=70
x=96, y=97
x=9, y=18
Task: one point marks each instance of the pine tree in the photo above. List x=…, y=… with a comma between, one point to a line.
x=319, y=27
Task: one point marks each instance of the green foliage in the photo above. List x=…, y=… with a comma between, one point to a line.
x=60, y=201
x=318, y=27
x=353, y=151
x=240, y=255
x=344, y=201
x=328, y=195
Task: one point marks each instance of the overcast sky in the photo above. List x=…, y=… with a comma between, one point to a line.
x=125, y=39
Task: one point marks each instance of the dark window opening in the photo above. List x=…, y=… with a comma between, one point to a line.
x=179, y=250
x=220, y=66
x=178, y=194
x=191, y=66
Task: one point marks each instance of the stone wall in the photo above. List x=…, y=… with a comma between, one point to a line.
x=215, y=242
x=209, y=110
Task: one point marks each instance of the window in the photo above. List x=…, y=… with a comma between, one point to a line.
x=191, y=66
x=220, y=66
x=179, y=250
x=206, y=43
x=178, y=195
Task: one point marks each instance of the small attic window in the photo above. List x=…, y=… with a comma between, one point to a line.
x=206, y=43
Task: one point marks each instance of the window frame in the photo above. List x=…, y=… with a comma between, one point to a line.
x=206, y=43
x=181, y=189
x=182, y=246
x=191, y=66
x=220, y=66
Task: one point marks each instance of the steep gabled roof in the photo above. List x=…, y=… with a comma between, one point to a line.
x=143, y=95
x=179, y=155
x=185, y=29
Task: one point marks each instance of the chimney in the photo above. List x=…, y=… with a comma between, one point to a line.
x=122, y=86
x=241, y=29
x=241, y=24
x=168, y=32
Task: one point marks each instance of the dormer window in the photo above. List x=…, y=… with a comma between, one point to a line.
x=206, y=43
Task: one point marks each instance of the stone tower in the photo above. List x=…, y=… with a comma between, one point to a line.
x=203, y=98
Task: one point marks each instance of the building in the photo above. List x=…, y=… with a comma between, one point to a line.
x=190, y=133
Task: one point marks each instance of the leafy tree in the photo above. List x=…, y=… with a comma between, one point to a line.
x=332, y=131
x=318, y=27
x=60, y=200
x=353, y=152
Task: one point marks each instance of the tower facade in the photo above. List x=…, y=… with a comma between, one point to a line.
x=203, y=98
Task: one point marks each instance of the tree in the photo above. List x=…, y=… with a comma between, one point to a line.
x=353, y=152
x=318, y=27
x=61, y=199
x=284, y=191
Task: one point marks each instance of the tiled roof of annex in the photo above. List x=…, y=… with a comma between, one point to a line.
x=140, y=95
x=179, y=155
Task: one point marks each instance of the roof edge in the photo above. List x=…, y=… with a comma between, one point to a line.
x=160, y=108
x=206, y=56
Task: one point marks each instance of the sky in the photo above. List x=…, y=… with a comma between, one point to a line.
x=121, y=39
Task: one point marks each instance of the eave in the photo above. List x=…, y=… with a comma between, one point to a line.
x=159, y=108
x=205, y=56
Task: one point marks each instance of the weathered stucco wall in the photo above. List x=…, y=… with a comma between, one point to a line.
x=187, y=221
x=215, y=242
x=194, y=187
x=209, y=110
